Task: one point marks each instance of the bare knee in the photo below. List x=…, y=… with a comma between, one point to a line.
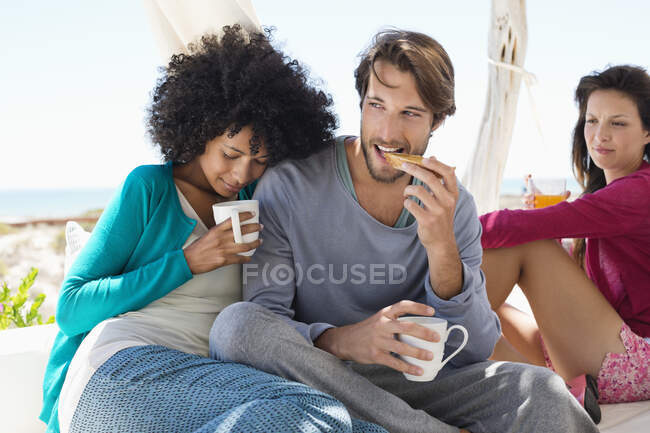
x=536, y=259
x=502, y=268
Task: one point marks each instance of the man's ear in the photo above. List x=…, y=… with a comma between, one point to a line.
x=436, y=126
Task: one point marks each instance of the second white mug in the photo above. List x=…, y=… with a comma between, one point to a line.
x=430, y=368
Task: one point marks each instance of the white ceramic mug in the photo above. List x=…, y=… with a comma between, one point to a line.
x=231, y=209
x=430, y=368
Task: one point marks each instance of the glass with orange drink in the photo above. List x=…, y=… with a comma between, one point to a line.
x=547, y=192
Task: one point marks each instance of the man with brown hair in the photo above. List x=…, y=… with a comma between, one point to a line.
x=351, y=243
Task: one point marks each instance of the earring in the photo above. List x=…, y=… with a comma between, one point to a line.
x=588, y=164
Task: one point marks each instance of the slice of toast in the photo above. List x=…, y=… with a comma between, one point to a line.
x=396, y=160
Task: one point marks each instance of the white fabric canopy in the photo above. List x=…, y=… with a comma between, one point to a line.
x=177, y=23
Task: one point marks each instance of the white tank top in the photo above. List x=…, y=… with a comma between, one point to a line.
x=180, y=320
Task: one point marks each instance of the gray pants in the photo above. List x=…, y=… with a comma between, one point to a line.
x=482, y=397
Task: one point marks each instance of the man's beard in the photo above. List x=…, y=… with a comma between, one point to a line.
x=374, y=173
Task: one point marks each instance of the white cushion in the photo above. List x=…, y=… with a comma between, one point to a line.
x=23, y=356
x=625, y=417
x=75, y=238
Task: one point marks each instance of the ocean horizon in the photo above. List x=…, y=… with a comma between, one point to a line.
x=18, y=205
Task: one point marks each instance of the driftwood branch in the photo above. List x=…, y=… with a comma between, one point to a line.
x=507, y=43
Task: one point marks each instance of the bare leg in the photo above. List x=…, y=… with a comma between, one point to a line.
x=577, y=323
x=520, y=341
x=522, y=333
x=504, y=351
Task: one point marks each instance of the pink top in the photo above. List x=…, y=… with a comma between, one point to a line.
x=615, y=220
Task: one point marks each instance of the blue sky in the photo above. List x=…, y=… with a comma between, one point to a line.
x=76, y=76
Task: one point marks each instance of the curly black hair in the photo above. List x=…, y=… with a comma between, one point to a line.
x=228, y=82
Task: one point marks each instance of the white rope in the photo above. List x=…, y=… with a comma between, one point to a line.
x=530, y=79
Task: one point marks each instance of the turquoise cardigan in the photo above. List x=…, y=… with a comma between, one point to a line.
x=133, y=257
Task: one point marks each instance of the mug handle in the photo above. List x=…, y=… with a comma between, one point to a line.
x=236, y=227
x=465, y=338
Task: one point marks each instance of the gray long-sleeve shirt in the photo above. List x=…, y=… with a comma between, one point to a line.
x=326, y=262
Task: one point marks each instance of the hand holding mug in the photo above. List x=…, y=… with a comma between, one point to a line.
x=432, y=366
x=372, y=340
x=232, y=209
x=228, y=242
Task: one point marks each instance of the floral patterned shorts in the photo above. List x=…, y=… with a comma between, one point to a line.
x=623, y=377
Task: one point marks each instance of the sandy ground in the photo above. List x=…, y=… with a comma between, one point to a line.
x=42, y=246
x=39, y=246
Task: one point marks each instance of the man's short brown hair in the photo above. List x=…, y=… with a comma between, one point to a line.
x=419, y=54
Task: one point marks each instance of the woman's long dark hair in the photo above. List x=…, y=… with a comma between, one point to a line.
x=634, y=82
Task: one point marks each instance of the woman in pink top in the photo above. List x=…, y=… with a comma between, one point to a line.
x=592, y=310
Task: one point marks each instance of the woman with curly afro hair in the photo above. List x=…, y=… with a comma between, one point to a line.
x=136, y=307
